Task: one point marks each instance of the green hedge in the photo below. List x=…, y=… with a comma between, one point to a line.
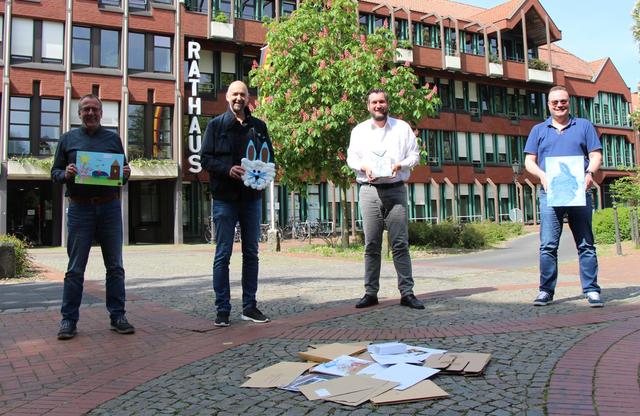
x=470, y=235
x=604, y=228
x=23, y=261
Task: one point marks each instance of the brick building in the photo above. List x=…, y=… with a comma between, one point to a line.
x=492, y=67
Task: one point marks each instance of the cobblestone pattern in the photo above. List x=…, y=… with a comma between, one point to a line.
x=514, y=382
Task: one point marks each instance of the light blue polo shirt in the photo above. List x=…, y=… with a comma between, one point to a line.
x=579, y=138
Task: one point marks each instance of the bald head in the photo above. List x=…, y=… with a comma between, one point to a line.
x=237, y=97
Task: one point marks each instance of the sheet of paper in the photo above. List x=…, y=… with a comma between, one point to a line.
x=327, y=352
x=372, y=370
x=405, y=374
x=342, y=366
x=307, y=379
x=414, y=355
x=97, y=168
x=566, y=181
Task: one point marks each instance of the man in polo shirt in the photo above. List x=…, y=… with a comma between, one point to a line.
x=383, y=141
x=94, y=212
x=564, y=135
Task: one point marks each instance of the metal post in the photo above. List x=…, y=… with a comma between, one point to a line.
x=617, y=227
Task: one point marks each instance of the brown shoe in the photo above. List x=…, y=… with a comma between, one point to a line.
x=366, y=301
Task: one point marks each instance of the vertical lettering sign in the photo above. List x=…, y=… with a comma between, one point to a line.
x=194, y=107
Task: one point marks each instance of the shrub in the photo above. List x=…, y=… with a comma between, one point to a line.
x=445, y=234
x=472, y=237
x=23, y=261
x=604, y=228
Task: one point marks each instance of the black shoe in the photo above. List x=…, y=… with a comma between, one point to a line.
x=254, y=315
x=122, y=326
x=67, y=329
x=366, y=301
x=543, y=299
x=222, y=319
x=411, y=301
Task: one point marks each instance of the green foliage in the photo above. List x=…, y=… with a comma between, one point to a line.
x=627, y=189
x=471, y=235
x=535, y=63
x=604, y=227
x=313, y=88
x=23, y=261
x=147, y=163
x=635, y=29
x=41, y=163
x=221, y=17
x=635, y=119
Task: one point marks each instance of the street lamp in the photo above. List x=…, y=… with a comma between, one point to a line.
x=517, y=170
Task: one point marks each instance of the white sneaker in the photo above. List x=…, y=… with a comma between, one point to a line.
x=594, y=299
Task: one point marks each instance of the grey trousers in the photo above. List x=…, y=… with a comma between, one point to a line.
x=382, y=207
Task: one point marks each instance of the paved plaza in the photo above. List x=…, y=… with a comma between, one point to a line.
x=563, y=359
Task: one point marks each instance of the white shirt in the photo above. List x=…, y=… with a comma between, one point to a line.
x=395, y=139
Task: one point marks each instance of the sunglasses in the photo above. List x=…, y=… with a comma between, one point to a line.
x=556, y=102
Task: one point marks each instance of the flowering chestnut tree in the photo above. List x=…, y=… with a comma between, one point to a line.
x=313, y=88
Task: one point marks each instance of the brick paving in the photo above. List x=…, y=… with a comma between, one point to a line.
x=562, y=359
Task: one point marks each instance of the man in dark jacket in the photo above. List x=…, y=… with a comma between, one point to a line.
x=226, y=140
x=94, y=212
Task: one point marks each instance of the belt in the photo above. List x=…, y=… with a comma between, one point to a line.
x=385, y=185
x=94, y=200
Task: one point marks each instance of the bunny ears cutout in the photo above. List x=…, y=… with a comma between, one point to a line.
x=258, y=173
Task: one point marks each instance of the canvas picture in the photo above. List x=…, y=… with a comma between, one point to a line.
x=95, y=168
x=565, y=179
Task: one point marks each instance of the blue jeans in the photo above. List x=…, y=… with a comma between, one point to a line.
x=84, y=223
x=225, y=215
x=550, y=231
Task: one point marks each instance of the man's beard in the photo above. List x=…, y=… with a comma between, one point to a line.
x=380, y=116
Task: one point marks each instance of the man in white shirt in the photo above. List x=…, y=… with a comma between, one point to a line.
x=382, y=152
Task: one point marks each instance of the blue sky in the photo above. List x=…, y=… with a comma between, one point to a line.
x=593, y=29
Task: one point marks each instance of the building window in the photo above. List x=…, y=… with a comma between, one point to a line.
x=137, y=5
x=287, y=7
x=34, y=126
x=207, y=81
x=489, y=155
x=247, y=9
x=199, y=6
x=1, y=34
x=36, y=41
x=149, y=53
x=222, y=6
x=109, y=3
x=247, y=65
x=95, y=47
x=227, y=69
x=150, y=133
x=447, y=146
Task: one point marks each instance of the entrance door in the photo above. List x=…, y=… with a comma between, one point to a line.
x=34, y=211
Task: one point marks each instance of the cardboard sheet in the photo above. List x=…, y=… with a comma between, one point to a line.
x=277, y=375
x=328, y=352
x=425, y=390
x=406, y=375
x=349, y=390
x=467, y=363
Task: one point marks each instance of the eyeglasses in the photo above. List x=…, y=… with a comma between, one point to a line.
x=556, y=102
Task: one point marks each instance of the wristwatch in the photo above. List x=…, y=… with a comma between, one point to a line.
x=589, y=172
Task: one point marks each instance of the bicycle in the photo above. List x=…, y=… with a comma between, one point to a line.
x=210, y=231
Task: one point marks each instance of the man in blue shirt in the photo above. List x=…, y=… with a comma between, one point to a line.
x=94, y=212
x=564, y=135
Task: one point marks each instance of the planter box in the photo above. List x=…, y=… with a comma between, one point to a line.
x=154, y=172
x=541, y=76
x=496, y=70
x=21, y=170
x=452, y=62
x=404, y=55
x=221, y=30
